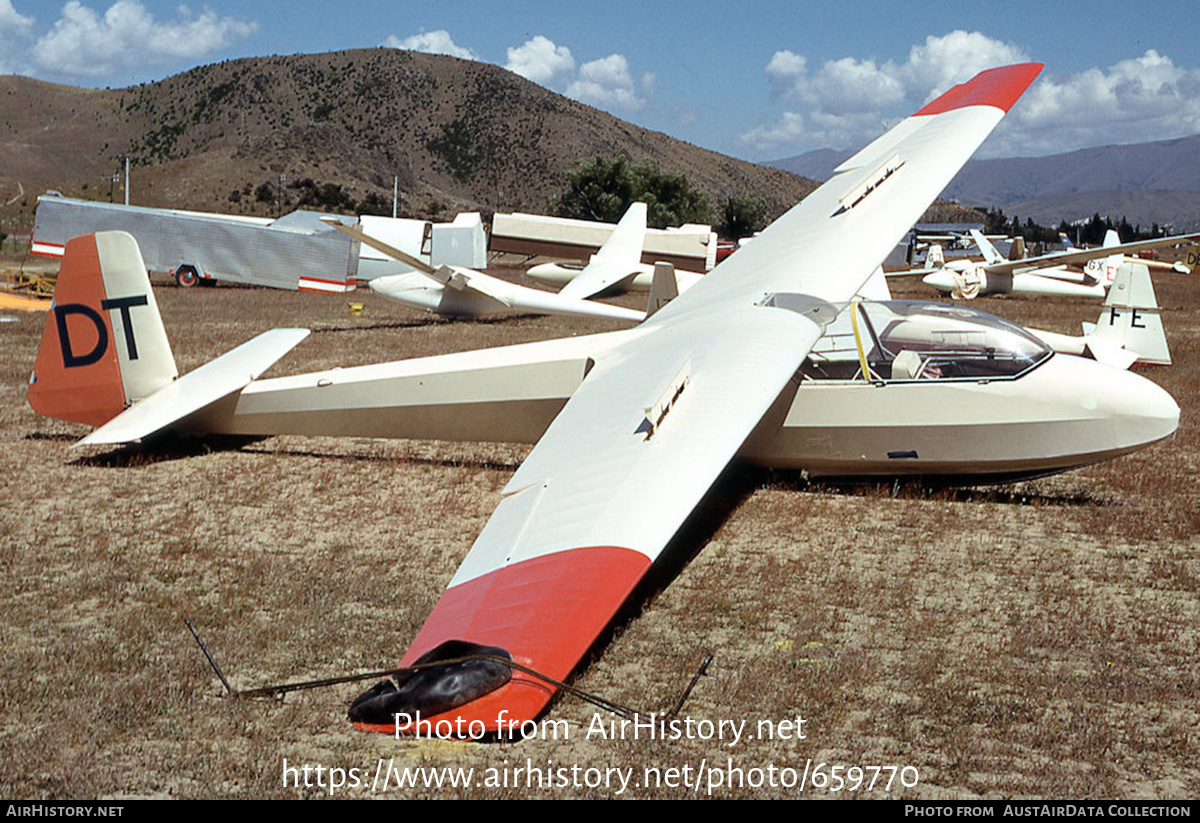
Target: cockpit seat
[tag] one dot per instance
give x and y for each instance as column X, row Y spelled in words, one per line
column 907, row 365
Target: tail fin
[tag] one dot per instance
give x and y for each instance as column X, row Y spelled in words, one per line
column 104, row 345
column 663, row 288
column 1017, row 250
column 990, row 255
column 1192, row 259
column 935, row 258
column 616, row 260
column 1131, row 318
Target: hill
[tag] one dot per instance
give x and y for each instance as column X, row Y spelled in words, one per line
column 1157, row 182
column 459, row 134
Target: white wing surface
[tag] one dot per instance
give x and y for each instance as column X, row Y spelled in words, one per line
column 663, row 412
column 1079, row 256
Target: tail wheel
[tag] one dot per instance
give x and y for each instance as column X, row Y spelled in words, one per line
column 187, row 276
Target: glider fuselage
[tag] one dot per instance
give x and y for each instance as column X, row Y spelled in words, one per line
column 949, row 392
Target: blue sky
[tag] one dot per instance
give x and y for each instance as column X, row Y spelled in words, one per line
column 756, row 80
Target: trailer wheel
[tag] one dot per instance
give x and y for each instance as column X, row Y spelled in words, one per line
column 187, row 276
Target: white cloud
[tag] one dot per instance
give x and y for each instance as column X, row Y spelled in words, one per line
column 539, row 60
column 1139, row 99
column 785, row 68
column 849, row 86
column 839, row 86
column 85, row 43
column 607, row 83
column 845, row 101
column 431, row 42
column 11, row 20
column 14, row 28
column 941, row 62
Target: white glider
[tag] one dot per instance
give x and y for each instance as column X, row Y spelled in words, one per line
column 768, row 358
column 1072, row 273
column 455, row 291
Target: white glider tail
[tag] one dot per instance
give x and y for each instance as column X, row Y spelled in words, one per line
column 1129, row 328
column 619, row 257
column 617, row 266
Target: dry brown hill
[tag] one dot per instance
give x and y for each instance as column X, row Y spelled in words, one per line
column 458, row 133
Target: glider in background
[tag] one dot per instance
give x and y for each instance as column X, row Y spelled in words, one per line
column 1049, row 274
column 455, row 291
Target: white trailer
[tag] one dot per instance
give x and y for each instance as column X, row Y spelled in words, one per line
column 462, row 242
column 296, row 251
column 691, row 247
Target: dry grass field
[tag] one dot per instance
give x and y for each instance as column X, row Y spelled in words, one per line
column 1035, row 640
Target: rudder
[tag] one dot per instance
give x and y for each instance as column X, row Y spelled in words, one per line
column 1131, row 317
column 104, row 344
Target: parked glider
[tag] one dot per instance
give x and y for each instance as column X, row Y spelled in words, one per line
column 616, row 267
column 1072, row 273
column 1183, row 266
column 766, row 359
column 455, row 291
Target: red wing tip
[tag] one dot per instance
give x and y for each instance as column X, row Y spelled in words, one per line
column 998, row 87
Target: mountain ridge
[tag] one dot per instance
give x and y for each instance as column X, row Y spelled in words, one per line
column 458, row 134
column 1153, row 182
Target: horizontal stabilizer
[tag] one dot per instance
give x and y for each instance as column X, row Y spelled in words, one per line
column 229, row 373
column 1110, row 354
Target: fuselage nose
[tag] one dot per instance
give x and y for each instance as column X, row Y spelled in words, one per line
column 413, row 290
column 1137, row 411
column 940, row 280
column 1148, row 410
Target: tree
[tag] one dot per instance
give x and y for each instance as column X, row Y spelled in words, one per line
column 602, row 189
column 741, row 216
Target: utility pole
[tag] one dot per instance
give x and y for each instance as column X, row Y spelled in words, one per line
column 127, row 180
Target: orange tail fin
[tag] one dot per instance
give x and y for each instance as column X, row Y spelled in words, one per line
column 104, row 344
